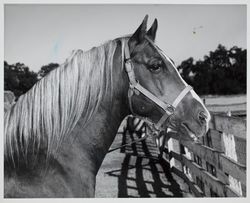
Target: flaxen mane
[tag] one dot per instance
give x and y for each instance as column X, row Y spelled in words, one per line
column 50, row 110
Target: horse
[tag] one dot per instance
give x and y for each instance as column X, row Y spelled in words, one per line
column 57, row 134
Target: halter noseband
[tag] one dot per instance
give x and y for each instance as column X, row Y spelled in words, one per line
column 136, row 88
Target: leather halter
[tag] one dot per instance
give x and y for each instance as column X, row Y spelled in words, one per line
column 136, row 88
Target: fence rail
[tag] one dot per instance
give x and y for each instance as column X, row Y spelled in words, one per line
column 218, row 166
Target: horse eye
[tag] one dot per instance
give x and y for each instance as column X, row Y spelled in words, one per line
column 155, row 68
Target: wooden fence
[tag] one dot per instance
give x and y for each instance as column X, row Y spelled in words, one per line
column 215, row 168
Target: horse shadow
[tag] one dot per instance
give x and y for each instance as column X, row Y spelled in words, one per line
column 142, row 172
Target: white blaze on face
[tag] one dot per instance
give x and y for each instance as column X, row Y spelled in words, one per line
column 195, row 96
column 164, row 56
column 192, row 92
column 174, row 67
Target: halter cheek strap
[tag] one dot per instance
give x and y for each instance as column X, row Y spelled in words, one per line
column 136, row 88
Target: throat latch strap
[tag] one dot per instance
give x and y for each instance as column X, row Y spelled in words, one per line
column 130, row 72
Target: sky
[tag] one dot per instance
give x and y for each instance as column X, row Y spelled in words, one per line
column 37, row 35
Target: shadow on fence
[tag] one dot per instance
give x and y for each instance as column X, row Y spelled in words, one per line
column 142, row 174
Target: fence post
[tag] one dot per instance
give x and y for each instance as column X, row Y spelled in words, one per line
column 174, row 146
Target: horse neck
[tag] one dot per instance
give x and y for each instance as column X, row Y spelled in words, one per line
column 91, row 143
column 80, row 155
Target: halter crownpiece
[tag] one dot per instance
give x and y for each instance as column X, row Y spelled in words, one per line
column 136, row 88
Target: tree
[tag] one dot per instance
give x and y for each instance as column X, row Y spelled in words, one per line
column 221, row 72
column 46, row 69
column 18, row 78
column 186, row 70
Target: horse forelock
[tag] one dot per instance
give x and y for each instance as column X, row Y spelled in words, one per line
column 49, row 111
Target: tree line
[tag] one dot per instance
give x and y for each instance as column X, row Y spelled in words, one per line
column 221, row 72
column 18, row 78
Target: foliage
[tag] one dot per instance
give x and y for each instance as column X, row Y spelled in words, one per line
column 46, row 69
column 18, row 78
column 221, row 72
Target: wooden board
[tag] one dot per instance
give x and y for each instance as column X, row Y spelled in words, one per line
column 230, row 125
column 217, row 159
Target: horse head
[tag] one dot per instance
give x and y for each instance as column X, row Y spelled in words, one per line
column 157, row 91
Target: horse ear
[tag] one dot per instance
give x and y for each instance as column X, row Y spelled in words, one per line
column 139, row 34
column 152, row 31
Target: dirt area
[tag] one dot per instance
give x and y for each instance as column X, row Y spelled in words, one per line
column 128, row 172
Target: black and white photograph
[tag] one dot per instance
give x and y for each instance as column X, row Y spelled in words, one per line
column 124, row 100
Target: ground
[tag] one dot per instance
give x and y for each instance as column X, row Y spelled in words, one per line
column 136, row 171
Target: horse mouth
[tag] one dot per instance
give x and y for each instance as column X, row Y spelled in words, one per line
column 190, row 133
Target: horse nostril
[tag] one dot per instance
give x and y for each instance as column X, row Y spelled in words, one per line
column 202, row 117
